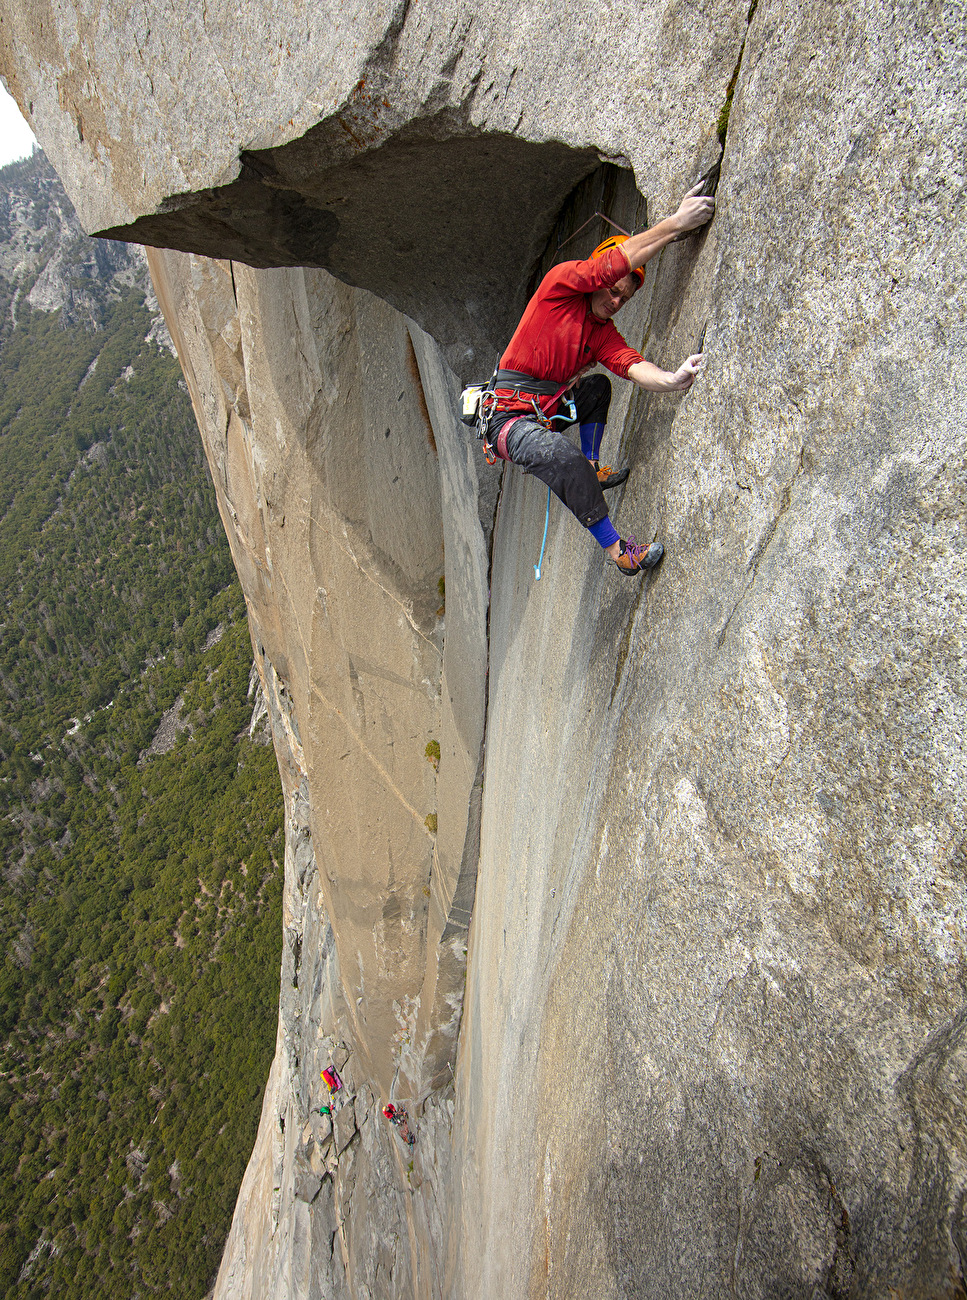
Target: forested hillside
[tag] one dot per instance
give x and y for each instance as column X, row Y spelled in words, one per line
column 141, row 868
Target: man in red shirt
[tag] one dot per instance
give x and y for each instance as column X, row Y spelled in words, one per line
column 565, row 330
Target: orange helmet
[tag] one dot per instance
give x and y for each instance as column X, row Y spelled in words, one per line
column 613, row 241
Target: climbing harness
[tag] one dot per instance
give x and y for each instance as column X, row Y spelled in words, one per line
column 541, row 417
column 480, row 402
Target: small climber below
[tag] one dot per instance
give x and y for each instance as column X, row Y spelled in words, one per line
column 566, row 329
column 397, row 1115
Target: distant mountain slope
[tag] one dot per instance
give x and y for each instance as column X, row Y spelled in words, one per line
column 46, row 259
column 139, row 894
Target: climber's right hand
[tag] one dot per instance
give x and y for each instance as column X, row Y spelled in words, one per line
column 684, row 376
column 695, row 209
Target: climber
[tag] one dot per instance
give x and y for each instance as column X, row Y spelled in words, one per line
column 397, row 1115
column 566, row 329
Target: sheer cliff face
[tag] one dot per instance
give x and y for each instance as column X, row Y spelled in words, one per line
column 712, row 1040
column 343, row 520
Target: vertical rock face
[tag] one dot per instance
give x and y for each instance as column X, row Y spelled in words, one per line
column 334, row 493
column 320, row 409
column 712, row 1038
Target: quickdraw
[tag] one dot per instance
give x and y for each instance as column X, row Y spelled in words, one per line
column 477, row 404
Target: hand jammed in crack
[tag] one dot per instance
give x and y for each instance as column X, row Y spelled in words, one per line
column 695, row 210
column 670, row 381
column 566, row 330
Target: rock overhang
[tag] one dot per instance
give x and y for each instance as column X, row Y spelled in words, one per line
column 443, row 222
column 421, row 152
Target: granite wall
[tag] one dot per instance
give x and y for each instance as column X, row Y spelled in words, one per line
column 705, row 1034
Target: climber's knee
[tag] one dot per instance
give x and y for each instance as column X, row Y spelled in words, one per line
column 592, row 398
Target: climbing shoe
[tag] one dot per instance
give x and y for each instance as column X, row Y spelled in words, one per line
column 633, row 558
column 608, row 477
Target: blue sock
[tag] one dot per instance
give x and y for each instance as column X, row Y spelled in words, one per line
column 603, row 531
column 591, row 435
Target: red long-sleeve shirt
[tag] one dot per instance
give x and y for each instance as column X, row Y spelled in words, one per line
column 557, row 335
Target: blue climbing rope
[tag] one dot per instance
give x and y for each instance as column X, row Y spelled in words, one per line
column 547, row 515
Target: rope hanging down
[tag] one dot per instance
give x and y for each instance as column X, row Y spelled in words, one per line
column 547, row 515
